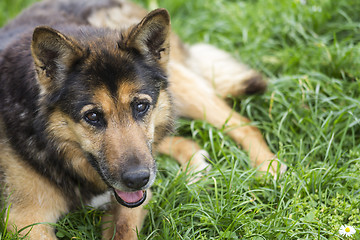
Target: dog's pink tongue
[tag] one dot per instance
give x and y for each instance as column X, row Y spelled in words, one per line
column 130, row 197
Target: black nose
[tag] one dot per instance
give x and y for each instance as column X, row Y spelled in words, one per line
column 136, row 177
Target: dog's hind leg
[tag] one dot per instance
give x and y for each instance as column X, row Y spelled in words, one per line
column 196, row 99
column 228, row 76
column 122, row 223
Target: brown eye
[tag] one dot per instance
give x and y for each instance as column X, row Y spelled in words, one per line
column 94, row 118
column 140, row 108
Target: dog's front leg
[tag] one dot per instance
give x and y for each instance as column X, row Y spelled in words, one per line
column 32, row 199
column 188, row 153
column 122, row 223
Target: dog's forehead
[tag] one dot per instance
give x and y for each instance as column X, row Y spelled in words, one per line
column 126, row 93
column 116, row 69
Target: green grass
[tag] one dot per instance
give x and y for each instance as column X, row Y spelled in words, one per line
column 309, row 116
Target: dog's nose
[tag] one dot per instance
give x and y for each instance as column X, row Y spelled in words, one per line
column 136, row 177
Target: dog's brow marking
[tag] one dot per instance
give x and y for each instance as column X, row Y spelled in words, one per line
column 87, row 108
column 103, row 98
column 143, row 96
column 126, row 92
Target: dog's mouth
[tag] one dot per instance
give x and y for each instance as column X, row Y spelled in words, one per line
column 130, row 199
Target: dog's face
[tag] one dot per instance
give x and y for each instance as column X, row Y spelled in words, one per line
column 105, row 94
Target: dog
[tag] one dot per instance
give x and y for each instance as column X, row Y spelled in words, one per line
column 89, row 93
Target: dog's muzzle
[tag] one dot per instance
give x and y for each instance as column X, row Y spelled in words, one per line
column 130, row 199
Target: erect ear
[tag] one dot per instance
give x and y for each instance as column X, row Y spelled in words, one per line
column 152, row 36
column 53, row 53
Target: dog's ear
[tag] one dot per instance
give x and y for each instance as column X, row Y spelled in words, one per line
column 53, row 53
column 152, row 36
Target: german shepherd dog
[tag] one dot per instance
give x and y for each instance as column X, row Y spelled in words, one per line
column 89, row 92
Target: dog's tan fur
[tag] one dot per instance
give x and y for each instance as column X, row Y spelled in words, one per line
column 24, row 179
column 201, row 78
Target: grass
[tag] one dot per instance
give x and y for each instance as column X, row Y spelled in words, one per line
column 310, row 51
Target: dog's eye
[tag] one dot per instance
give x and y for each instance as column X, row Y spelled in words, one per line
column 94, row 118
column 140, row 108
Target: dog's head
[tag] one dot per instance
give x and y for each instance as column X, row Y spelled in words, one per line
column 105, row 95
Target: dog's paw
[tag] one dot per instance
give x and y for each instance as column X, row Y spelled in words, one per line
column 282, row 168
column 273, row 166
column 198, row 166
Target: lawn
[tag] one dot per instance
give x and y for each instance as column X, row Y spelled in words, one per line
column 310, row 116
